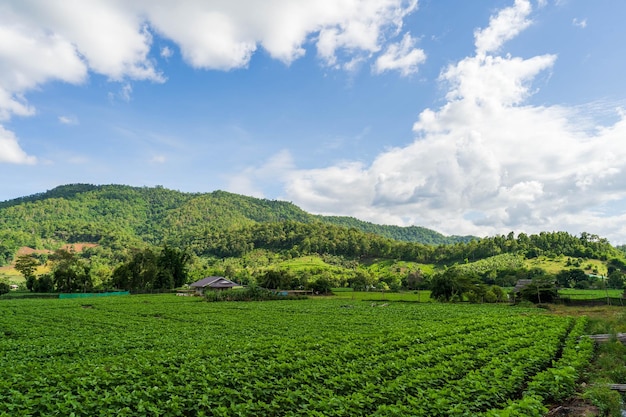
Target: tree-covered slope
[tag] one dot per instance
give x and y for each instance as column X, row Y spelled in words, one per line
column 128, row 216
column 224, row 224
column 406, row 234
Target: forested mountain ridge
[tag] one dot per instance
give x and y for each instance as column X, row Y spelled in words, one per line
column 125, row 216
column 406, row 234
column 155, row 238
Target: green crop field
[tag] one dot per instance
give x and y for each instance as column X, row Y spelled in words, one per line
column 422, row 296
column 181, row 356
column 576, row 294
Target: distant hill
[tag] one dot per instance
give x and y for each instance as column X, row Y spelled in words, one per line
column 125, row 216
column 406, row 234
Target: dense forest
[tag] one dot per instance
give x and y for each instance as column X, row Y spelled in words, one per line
column 151, row 238
column 122, row 216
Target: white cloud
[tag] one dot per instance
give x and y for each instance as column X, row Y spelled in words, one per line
column 68, row 120
column 581, row 23
column 10, row 150
column 485, row 162
column 507, row 24
column 126, row 92
column 276, row 168
column 158, row 159
column 46, row 40
column 166, row 52
column 224, row 34
column 401, row 56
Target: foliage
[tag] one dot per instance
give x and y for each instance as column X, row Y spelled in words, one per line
column 406, row 234
column 250, row 293
column 608, row 401
column 148, row 269
column 166, row 355
column 69, row 272
column 4, row 288
column 27, row 265
column 542, row 289
column 222, row 224
column 452, row 284
column 42, row 284
column 558, row 382
column 615, row 280
column 572, row 278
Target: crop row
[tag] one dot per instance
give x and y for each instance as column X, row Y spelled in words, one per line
column 161, row 355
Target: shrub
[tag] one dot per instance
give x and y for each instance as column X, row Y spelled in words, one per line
column 608, row 401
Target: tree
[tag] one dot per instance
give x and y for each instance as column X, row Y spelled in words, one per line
column 141, row 272
column 321, row 286
column 69, row 272
column 361, row 281
column 173, row 263
column 616, row 280
column 27, row 265
column 4, row 288
column 542, row 289
column 43, row 284
column 274, row 279
column 452, row 284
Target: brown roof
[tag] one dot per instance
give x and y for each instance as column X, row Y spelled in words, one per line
column 521, row 283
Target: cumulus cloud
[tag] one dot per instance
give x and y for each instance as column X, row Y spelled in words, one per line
column 10, row 150
column 507, row 24
column 486, row 161
column 401, row 56
column 581, row 23
column 46, row 40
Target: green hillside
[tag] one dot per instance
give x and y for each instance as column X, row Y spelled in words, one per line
column 118, row 215
column 145, row 239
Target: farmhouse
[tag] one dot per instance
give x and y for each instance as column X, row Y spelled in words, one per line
column 212, row 283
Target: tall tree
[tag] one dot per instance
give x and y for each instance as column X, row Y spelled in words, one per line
column 69, row 272
column 27, row 265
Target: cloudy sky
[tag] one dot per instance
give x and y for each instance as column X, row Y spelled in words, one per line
column 465, row 117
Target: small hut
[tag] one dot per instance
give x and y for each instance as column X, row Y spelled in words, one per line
column 521, row 284
column 212, row 283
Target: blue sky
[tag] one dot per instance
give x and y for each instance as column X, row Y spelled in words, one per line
column 465, row 117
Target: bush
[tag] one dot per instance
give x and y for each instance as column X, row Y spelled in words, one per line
column 608, row 401
column 4, row 288
column 251, row 293
column 43, row 284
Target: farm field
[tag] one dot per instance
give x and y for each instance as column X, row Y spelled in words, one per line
column 423, row 296
column 576, row 294
column 174, row 356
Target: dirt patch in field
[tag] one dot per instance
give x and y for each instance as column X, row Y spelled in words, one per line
column 575, row 408
column 25, row 250
column 72, row 247
column 79, row 247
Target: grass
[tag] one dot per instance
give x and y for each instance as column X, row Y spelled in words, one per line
column 576, row 294
column 410, row 296
column 305, row 262
column 556, row 264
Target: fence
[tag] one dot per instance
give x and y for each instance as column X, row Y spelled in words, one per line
column 93, row 294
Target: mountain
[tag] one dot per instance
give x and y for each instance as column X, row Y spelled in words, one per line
column 125, row 216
